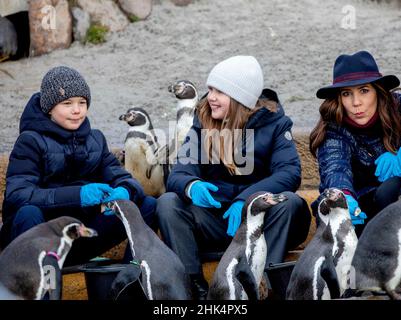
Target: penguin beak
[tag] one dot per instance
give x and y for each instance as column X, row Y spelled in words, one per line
column 279, row 197
column 332, row 194
column 86, row 232
column 273, row 199
column 129, row 116
column 176, row 89
column 107, row 206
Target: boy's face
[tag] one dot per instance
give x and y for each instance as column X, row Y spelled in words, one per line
column 70, row 113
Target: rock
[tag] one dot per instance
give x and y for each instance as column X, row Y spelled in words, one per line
column 8, row 7
column 106, row 13
column 182, row 3
column 80, row 23
column 50, row 25
column 8, row 39
column 139, row 8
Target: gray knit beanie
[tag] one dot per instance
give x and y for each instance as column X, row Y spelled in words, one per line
column 62, row 83
column 239, row 77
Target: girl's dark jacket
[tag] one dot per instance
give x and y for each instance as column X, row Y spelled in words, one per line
column 48, row 164
column 276, row 164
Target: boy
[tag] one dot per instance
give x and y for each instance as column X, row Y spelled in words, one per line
column 60, row 166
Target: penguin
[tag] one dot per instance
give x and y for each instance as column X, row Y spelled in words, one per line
column 5, row 294
column 376, row 264
column 187, row 99
column 30, row 266
column 240, row 270
column 140, row 149
column 163, row 275
column 322, row 271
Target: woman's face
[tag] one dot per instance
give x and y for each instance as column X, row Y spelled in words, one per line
column 70, row 113
column 360, row 102
column 219, row 103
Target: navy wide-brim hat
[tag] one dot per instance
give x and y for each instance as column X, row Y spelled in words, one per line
column 352, row 70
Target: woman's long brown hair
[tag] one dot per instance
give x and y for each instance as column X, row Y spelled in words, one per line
column 236, row 118
column 332, row 111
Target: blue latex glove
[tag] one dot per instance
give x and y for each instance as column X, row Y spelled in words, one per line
column 386, row 166
column 234, row 217
column 397, row 169
column 118, row 193
column 94, row 193
column 352, row 206
column 201, row 196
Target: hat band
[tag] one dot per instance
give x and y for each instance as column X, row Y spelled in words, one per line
column 356, row 76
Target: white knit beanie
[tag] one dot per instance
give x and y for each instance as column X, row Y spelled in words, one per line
column 239, row 77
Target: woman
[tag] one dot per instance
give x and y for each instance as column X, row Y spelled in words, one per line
column 240, row 143
column 358, row 135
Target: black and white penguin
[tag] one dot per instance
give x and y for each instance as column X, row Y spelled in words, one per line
column 240, row 270
column 163, row 275
column 376, row 265
column 322, row 271
column 30, row 266
column 140, row 149
column 187, row 99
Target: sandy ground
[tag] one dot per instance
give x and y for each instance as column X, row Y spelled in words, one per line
column 296, row 43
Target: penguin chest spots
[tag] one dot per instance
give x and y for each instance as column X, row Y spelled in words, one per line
column 256, row 256
column 137, row 150
column 344, row 260
column 183, row 126
column 141, row 162
column 319, row 287
column 230, row 275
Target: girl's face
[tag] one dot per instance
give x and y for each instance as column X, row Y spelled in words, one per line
column 360, row 102
column 70, row 113
column 219, row 103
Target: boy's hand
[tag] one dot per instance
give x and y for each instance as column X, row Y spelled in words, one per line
column 94, row 193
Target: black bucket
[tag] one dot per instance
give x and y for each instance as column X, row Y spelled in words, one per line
column 100, row 283
column 279, row 275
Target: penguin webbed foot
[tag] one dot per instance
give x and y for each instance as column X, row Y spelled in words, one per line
column 394, row 295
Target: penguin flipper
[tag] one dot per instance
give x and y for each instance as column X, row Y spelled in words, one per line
column 53, row 278
column 163, row 158
column 247, row 279
column 329, row 275
column 120, row 287
column 149, row 171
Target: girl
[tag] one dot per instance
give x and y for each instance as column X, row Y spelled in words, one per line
column 212, row 179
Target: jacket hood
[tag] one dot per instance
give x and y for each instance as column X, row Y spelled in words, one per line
column 34, row 119
column 263, row 116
